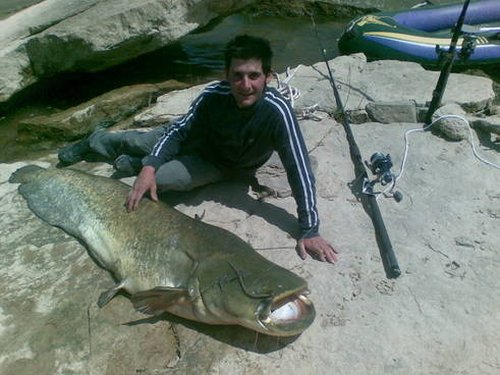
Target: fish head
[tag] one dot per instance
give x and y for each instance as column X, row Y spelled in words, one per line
column 270, row 300
column 286, row 314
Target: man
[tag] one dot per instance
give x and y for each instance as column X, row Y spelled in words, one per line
column 231, row 129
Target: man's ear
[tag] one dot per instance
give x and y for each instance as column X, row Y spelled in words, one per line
column 269, row 77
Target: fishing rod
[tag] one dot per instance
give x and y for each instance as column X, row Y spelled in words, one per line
column 369, row 201
column 448, row 58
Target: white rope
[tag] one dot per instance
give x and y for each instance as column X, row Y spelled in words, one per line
column 407, row 144
column 309, row 113
column 289, row 92
column 292, row 93
column 470, row 140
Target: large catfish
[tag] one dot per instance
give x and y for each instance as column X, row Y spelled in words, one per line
column 166, row 260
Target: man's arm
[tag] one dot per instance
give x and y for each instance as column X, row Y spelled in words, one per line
column 293, row 153
column 164, row 150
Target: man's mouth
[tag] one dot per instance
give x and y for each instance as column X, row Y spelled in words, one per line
column 246, row 95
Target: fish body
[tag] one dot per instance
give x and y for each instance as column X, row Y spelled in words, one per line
column 166, row 260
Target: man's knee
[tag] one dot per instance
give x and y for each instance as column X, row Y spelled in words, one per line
column 174, row 175
column 108, row 144
column 187, row 173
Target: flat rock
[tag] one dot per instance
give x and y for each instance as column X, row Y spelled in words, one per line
column 101, row 112
column 446, row 296
column 489, row 124
column 390, row 112
column 360, row 82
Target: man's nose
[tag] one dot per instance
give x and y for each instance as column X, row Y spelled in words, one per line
column 245, row 82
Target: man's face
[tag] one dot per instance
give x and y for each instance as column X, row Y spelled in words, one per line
column 247, row 81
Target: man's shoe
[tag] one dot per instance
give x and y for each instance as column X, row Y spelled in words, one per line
column 128, row 165
column 74, row 153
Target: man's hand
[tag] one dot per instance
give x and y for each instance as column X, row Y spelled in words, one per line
column 317, row 248
column 145, row 182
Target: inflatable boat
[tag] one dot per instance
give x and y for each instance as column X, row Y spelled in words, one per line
column 422, row 34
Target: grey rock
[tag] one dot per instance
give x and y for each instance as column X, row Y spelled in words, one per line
column 101, row 112
column 168, row 107
column 58, row 36
column 358, row 116
column 450, row 121
column 489, row 124
column 390, row 112
column 360, row 82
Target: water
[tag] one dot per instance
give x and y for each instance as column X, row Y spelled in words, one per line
column 294, row 40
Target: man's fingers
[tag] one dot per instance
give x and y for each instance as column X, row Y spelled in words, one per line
column 133, row 200
column 330, row 257
column 135, row 203
column 319, row 255
column 153, row 193
column 128, row 202
column 301, row 250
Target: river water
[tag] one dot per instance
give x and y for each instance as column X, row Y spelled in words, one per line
column 196, row 58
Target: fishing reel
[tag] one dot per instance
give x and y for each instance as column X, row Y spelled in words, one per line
column 380, row 165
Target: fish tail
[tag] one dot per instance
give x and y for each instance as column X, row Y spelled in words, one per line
column 24, row 174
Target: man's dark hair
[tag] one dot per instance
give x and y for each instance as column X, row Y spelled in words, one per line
column 249, row 47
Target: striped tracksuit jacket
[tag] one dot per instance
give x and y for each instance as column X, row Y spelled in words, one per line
column 242, row 139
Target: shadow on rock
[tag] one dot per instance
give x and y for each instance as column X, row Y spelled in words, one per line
column 234, row 194
column 236, row 336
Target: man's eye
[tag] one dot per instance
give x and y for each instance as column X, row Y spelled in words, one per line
column 254, row 76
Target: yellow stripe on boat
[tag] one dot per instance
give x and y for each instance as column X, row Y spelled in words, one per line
column 412, row 38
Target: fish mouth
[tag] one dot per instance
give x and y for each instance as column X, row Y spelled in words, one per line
column 288, row 316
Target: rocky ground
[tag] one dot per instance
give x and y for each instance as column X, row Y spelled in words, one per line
column 441, row 316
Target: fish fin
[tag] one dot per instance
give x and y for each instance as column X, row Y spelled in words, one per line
column 109, row 294
column 156, row 301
